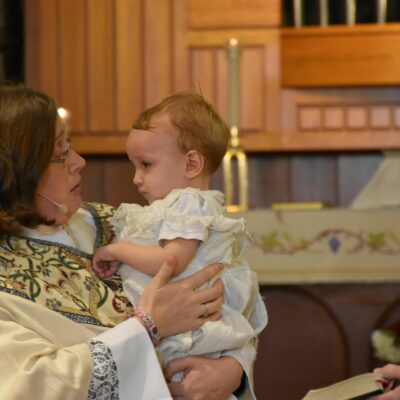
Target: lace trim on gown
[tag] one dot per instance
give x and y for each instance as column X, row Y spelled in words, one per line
column 104, row 384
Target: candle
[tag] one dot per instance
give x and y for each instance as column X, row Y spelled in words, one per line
column 381, row 11
column 350, row 12
column 323, row 12
column 234, row 78
column 298, row 13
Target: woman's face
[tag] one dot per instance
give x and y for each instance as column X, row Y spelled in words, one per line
column 58, row 195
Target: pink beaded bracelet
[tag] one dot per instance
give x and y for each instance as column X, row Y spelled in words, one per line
column 149, row 324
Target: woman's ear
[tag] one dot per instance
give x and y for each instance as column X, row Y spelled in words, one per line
column 194, row 164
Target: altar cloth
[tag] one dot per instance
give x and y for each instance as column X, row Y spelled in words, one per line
column 324, row 246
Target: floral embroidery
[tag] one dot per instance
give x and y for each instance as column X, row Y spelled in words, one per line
column 335, row 240
column 53, row 304
column 104, row 384
column 89, row 283
column 60, row 277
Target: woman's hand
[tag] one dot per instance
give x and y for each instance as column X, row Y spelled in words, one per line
column 389, row 371
column 178, row 307
column 204, row 378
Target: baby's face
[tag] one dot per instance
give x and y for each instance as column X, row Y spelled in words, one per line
column 159, row 163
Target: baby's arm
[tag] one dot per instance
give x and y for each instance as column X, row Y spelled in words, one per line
column 147, row 259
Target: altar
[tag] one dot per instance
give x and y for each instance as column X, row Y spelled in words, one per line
column 329, row 277
column 324, row 246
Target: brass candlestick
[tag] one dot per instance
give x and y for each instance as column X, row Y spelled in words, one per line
column 235, row 152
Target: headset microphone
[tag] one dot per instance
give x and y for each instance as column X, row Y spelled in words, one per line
column 61, row 207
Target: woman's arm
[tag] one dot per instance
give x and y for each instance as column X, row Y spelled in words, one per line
column 147, row 259
column 41, row 345
column 50, row 357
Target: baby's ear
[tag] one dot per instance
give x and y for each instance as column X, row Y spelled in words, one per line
column 194, row 164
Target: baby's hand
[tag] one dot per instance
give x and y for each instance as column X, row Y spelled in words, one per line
column 103, row 263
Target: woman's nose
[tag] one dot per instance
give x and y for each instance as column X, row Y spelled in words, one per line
column 77, row 161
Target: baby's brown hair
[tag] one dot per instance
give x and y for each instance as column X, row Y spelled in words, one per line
column 198, row 126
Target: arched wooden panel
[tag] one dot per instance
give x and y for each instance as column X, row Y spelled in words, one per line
column 303, row 346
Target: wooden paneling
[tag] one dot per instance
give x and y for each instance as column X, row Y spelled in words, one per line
column 252, row 112
column 340, row 119
column 129, row 79
column 319, row 334
column 202, row 73
column 180, row 50
column 365, row 55
column 109, row 181
column 314, row 178
column 72, row 78
column 269, row 180
column 157, row 51
column 108, row 60
column 259, row 75
column 101, row 68
column 336, row 179
column 93, row 187
column 206, row 14
column 105, row 143
column 41, row 69
column 304, row 345
column 221, row 97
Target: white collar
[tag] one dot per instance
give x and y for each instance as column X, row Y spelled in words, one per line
column 79, row 232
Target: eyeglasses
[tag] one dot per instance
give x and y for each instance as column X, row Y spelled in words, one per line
column 64, row 155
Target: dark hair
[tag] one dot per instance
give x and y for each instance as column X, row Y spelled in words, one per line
column 27, row 139
column 198, row 125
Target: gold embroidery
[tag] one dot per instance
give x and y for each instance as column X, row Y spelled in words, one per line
column 60, row 277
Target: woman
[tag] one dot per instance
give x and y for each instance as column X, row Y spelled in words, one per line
column 64, row 334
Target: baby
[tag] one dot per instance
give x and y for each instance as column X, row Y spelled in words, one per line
column 175, row 147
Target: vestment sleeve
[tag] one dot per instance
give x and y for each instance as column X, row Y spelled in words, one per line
column 49, row 357
column 35, row 364
column 138, row 369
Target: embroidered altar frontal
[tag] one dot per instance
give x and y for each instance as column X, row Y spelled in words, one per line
column 324, row 246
